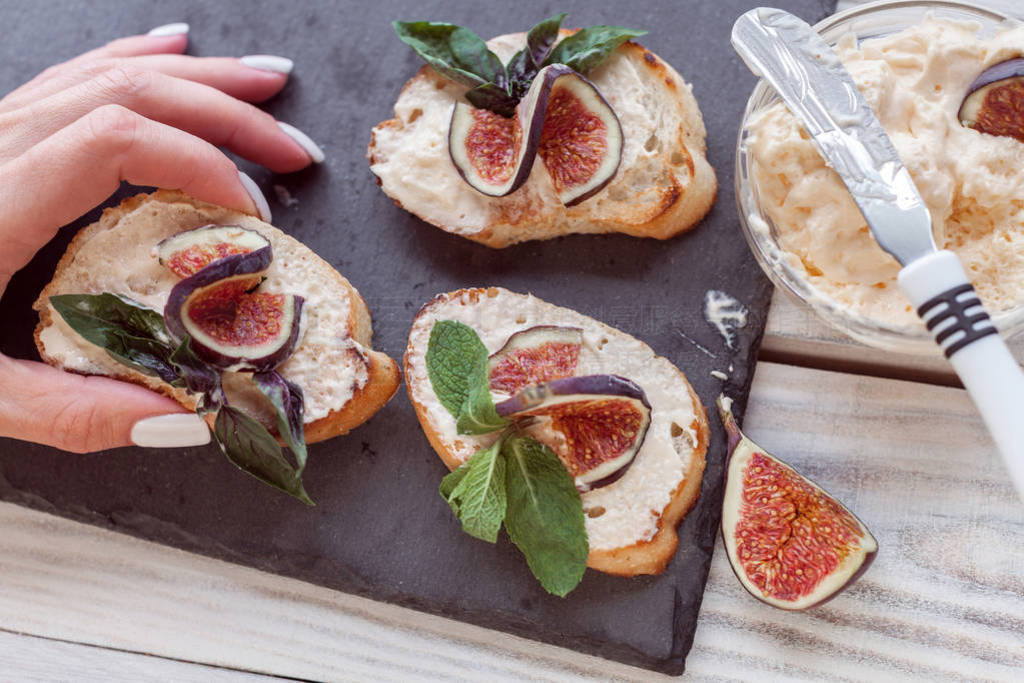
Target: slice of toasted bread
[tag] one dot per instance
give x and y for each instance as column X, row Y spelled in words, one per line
column 632, row 522
column 343, row 380
column 664, row 184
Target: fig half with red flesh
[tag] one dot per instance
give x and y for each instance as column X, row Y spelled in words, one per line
column 231, row 326
column 581, row 140
column 535, row 355
column 995, row 100
column 563, row 117
column 190, row 251
column 597, row 423
column 790, row 543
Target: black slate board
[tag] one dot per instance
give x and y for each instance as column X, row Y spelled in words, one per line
column 380, row 530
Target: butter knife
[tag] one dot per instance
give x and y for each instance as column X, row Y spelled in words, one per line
column 806, row 73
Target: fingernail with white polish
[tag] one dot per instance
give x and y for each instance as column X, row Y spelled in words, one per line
column 281, row 65
column 257, row 196
column 176, row 430
column 175, row 29
column 305, row 142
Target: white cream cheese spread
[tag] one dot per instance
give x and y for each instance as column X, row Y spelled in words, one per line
column 632, row 506
column 972, row 183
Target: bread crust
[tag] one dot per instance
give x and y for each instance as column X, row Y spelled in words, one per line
column 643, row 557
column 383, row 373
column 660, row 195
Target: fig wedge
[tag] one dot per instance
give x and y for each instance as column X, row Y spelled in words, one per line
column 535, row 355
column 563, row 118
column 190, row 251
column 791, row 544
column 995, row 100
column 596, row 423
column 231, row 326
column 581, row 140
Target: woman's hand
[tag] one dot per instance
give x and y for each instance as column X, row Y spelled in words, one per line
column 135, row 110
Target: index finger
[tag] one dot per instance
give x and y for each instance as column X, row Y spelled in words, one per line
column 67, row 73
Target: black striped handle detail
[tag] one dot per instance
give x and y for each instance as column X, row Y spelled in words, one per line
column 953, row 304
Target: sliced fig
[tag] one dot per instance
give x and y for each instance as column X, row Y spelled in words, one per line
column 230, row 325
column 563, row 118
column 495, row 154
column 581, row 140
column 791, row 544
column 995, row 100
column 190, row 251
column 535, row 355
column 597, row 423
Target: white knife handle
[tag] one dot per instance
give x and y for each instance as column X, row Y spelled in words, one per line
column 938, row 287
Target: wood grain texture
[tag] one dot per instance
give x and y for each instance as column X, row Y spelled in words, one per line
column 795, row 335
column 944, row 600
column 29, row 658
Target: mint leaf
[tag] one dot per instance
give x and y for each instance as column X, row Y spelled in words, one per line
column 453, row 51
column 478, row 415
column 448, row 484
column 249, row 445
column 288, row 404
column 478, row 497
column 544, row 515
column 457, row 367
column 129, row 332
column 588, row 47
column 454, row 355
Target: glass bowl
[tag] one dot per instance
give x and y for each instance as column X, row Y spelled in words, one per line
column 872, row 20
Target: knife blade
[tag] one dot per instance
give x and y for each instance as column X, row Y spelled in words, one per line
column 811, row 80
column 806, row 73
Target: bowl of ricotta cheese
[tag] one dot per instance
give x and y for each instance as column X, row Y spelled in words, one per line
column 914, row 62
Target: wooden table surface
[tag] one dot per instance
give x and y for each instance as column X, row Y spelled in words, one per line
column 890, row 435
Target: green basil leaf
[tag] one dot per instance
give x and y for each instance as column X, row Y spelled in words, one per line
column 288, row 404
column 588, row 47
column 490, row 96
column 454, row 358
column 129, row 332
column 453, row 51
column 544, row 515
column 253, row 449
column 542, row 37
column 478, row 499
column 478, row 415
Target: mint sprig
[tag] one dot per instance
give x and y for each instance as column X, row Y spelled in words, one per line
column 135, row 335
column 516, row 480
column 457, row 368
column 459, row 54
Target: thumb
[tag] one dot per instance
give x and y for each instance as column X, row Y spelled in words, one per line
column 84, row 414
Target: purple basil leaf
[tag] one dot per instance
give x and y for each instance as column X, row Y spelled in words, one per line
column 490, row 96
column 288, row 404
column 521, row 72
column 541, row 38
column 253, row 449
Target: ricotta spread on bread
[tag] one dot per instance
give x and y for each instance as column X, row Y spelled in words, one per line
column 972, row 183
column 328, row 364
column 629, row 510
